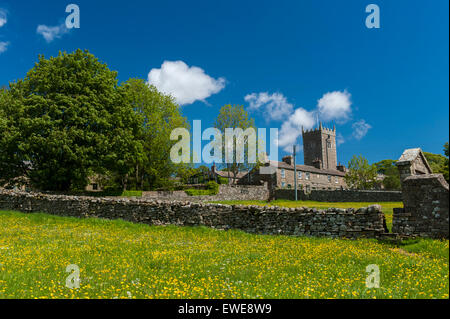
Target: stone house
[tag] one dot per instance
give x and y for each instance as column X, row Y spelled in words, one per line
column 308, row 177
column 95, row 183
column 320, row 170
column 413, row 162
column 213, row 175
column 230, row 177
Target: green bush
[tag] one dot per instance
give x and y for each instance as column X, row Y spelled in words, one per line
column 198, row 192
column 222, row 180
column 212, row 188
column 165, row 185
column 132, row 193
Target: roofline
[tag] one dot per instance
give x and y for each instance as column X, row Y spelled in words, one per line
column 308, row 168
column 420, row 153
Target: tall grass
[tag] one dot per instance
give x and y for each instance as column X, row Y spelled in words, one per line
column 118, row 259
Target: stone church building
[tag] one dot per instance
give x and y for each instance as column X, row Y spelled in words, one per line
column 320, row 170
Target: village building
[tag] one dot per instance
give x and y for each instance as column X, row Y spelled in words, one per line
column 320, row 170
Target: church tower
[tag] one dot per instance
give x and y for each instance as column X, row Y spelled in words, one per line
column 319, row 147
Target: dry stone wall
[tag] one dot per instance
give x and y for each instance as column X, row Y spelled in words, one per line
column 334, row 222
column 426, row 207
column 341, row 195
column 226, row 192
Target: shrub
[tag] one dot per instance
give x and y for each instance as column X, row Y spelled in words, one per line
column 132, row 193
column 212, row 188
column 222, row 180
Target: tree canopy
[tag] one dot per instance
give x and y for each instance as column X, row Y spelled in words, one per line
column 69, row 119
column 235, row 117
column 159, row 115
column 438, row 162
column 361, row 175
column 391, row 174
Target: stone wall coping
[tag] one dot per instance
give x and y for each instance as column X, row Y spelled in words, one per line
column 134, row 200
column 437, row 178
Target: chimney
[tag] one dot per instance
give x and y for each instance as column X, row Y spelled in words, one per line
column 341, row 168
column 289, row 160
column 317, row 163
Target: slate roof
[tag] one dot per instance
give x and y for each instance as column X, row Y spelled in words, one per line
column 307, row 168
column 409, row 155
column 225, row 174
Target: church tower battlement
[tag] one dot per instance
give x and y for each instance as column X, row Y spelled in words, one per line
column 319, row 147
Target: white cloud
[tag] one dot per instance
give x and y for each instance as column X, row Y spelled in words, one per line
column 186, row 84
column 291, row 129
column 52, row 33
column 3, row 18
column 275, row 106
column 3, row 46
column 340, row 139
column 360, row 129
column 335, row 106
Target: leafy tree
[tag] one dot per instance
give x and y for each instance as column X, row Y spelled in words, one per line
column 184, row 171
column 388, row 168
column 234, row 117
column 361, row 175
column 67, row 120
column 159, row 115
column 438, row 162
column 446, row 173
column 11, row 165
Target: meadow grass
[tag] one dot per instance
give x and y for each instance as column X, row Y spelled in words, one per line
column 119, row 259
column 387, row 207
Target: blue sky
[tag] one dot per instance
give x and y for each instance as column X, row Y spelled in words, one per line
column 387, row 88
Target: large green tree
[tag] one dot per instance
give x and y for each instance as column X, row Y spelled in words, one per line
column 361, row 175
column 235, row 117
column 67, row 120
column 159, row 114
column 438, row 162
column 11, row 163
column 388, row 168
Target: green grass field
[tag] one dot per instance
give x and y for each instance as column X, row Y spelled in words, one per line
column 118, row 259
column 387, row 207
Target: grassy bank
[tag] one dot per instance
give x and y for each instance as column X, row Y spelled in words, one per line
column 123, row 260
